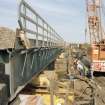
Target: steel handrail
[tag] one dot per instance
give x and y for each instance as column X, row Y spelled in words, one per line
column 47, row 34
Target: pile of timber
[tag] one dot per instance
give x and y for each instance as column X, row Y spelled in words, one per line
column 7, row 38
column 60, row 64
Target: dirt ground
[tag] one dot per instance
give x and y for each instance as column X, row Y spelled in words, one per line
column 88, row 91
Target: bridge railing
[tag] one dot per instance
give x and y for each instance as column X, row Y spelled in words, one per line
column 36, row 28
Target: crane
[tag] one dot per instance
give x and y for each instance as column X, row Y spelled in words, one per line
column 95, row 13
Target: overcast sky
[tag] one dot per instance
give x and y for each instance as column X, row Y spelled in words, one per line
column 67, row 17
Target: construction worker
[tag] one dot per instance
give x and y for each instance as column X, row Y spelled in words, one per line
column 83, row 70
column 86, row 70
column 80, row 67
column 75, row 63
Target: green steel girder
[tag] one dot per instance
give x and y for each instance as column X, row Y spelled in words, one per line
column 4, row 57
column 24, row 64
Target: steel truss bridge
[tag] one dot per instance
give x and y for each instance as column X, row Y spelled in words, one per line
column 29, row 50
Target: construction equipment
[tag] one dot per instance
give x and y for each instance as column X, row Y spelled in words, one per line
column 95, row 10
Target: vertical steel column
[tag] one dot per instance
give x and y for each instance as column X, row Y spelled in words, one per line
column 43, row 35
column 9, row 70
column 35, row 29
column 50, row 36
column 55, row 42
column 47, row 37
column 24, row 9
column 37, row 44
